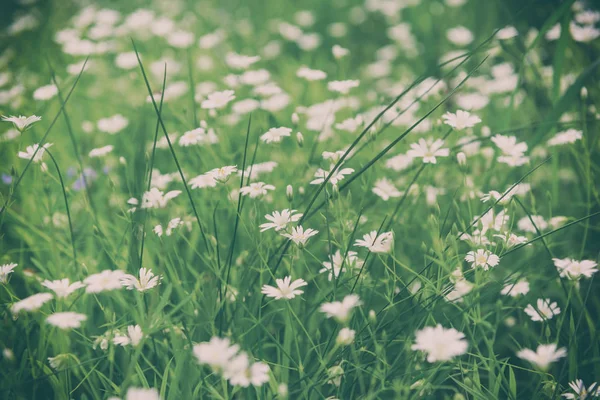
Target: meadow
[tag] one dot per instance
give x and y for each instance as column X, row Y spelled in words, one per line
column 276, row 199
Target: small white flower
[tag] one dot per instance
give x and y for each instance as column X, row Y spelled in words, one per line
column 518, row 288
column 218, row 100
column 31, row 303
column 461, row 120
column 280, row 219
column 286, row 289
column 274, row 135
column 544, row 310
column 45, row 92
column 146, row 281
column 256, row 189
column 22, row 123
column 217, row 353
column 112, row 125
column 338, row 174
column 345, row 337
column 340, row 310
column 62, row 288
column 155, row 198
column 66, row 320
column 385, row 189
column 567, row 137
column 299, row 235
column 581, row 392
column 142, row 394
column 482, row 258
column 133, row 337
column 337, row 265
column 543, row 356
column 5, row 271
column 573, row 269
column 428, row 150
column 439, row 343
column 101, row 151
column 30, row 153
column 381, row 243
column 310, row 74
column 342, row 87
column 104, row 281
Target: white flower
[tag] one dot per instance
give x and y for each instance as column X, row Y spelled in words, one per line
column 256, row 189
column 203, row 181
column 63, row 288
column 280, row 219
column 127, row 60
column 461, row 120
column 482, row 258
column 286, row 289
column 310, row 74
column 566, row 137
column 385, row 189
column 146, row 282
column 520, row 287
column 460, row 36
column 544, row 310
column 399, row 162
column 30, row 153
column 543, row 356
column 336, row 177
column 112, row 125
column 104, row 281
column 142, row 394
column 428, row 150
column 573, row 269
column 133, row 337
column 461, row 288
column 583, row 34
column 439, row 343
column 342, row 87
column 299, row 235
column 339, row 51
column 22, row 123
column 239, row 372
column 381, row 243
column 217, row 353
column 525, row 224
column 180, row 39
column 335, row 375
column 345, row 337
column 218, row 100
column 340, row 310
column 31, row 303
column 155, row 198
column 509, row 145
column 59, row 362
column 45, row 92
column 581, row 392
column 338, row 265
column 350, row 124
column 6, row 270
column 510, row 239
column 274, row 135
column 239, row 61
column 101, row 151
column 66, row 320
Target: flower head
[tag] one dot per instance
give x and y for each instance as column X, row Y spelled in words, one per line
column 381, row 243
column 340, row 310
column 286, row 289
column 146, row 281
column 104, row 281
column 440, row 344
column 575, row 270
column 31, row 303
column 482, row 258
column 280, row 219
column 6, row 270
column 299, row 235
column 545, row 355
column 256, row 189
column 133, row 336
column 218, row 100
column 62, row 287
column 66, row 320
column 461, row 120
column 544, row 310
column 21, row 122
column 428, row 150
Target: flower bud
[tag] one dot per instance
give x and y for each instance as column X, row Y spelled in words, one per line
column 345, row 337
column 300, row 139
column 289, row 192
column 295, row 119
column 461, row 158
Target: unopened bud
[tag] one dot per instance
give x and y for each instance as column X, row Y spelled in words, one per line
column 122, row 160
column 300, row 139
column 289, row 192
column 295, row 119
column 584, row 93
column 461, row 158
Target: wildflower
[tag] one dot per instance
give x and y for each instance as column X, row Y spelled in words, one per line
column 62, row 288
column 573, row 269
column 460, row 36
column 299, row 235
column 350, row 124
column 146, row 282
column 218, row 100
column 203, row 181
column 239, row 372
column 345, row 337
column 543, row 356
column 133, row 337
column 274, row 135
column 340, row 310
column 239, row 61
column 520, row 287
column 34, row 152
column 286, row 289
column 381, row 243
column 530, row 223
column 439, row 343
column 461, row 120
column 399, row 162
column 217, row 353
column 45, row 92
column 385, row 189
column 339, row 51
column 127, row 60
column 66, row 320
column 566, row 137
column 428, row 150
column 155, row 198
column 256, row 189
column 6, row 270
column 22, row 123
column 112, row 125
column 142, row 394
column 336, row 266
column 461, row 288
column 101, row 151
column 544, row 310
column 342, row 87
column 60, row 361
column 104, row 281
column 482, row 258
column 335, row 375
column 580, row 391
column 280, row 219
column 510, row 239
column 31, row 303
column 337, row 175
